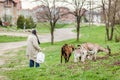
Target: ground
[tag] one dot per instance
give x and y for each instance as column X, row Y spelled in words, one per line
column 43, row 38
column 5, row 47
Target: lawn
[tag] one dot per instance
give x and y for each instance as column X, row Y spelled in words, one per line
column 42, row 28
column 45, row 27
column 105, row 68
column 5, row 38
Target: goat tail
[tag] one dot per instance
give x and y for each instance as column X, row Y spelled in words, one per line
column 109, row 53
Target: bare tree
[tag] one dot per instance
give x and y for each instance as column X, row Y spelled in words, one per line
column 117, row 28
column 51, row 13
column 78, row 12
column 109, row 8
column 90, row 12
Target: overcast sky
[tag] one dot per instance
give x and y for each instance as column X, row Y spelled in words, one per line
column 29, row 4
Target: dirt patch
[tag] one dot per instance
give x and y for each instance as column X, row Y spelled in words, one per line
column 107, row 56
column 117, row 63
column 2, row 62
column 115, row 54
column 103, row 57
column 3, row 78
column 5, row 55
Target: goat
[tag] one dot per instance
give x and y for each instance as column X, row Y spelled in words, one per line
column 90, row 49
column 66, row 51
column 79, row 53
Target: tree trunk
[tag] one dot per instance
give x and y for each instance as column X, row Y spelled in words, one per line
column 107, row 31
column 78, row 29
column 113, row 25
column 52, row 36
column 112, row 31
column 52, row 32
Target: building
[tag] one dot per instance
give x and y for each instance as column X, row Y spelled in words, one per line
column 93, row 13
column 34, row 13
column 38, row 14
column 66, row 17
column 9, row 11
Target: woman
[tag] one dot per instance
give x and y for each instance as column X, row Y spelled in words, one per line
column 33, row 48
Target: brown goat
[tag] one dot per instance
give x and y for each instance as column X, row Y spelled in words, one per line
column 66, row 51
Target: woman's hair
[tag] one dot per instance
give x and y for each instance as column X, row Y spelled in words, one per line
column 35, row 33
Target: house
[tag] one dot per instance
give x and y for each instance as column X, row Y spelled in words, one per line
column 26, row 12
column 34, row 13
column 66, row 17
column 93, row 16
column 37, row 13
column 93, row 13
column 9, row 11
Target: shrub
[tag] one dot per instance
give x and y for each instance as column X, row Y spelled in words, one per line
column 20, row 22
column 30, row 23
column 7, row 20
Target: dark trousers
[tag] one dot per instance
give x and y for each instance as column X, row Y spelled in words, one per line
column 32, row 63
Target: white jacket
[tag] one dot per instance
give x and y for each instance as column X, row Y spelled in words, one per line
column 32, row 47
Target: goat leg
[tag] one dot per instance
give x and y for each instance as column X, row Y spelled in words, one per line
column 61, row 58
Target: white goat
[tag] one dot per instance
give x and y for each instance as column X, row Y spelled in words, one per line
column 89, row 50
column 77, row 54
column 80, row 53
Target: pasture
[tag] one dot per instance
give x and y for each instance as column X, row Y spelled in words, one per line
column 5, row 38
column 42, row 28
column 105, row 68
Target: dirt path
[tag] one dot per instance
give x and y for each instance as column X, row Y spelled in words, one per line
column 59, row 35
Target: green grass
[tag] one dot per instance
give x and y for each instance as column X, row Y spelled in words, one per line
column 97, row 35
column 42, row 28
column 102, row 69
column 5, row 38
column 45, row 27
column 93, row 34
column 8, row 28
